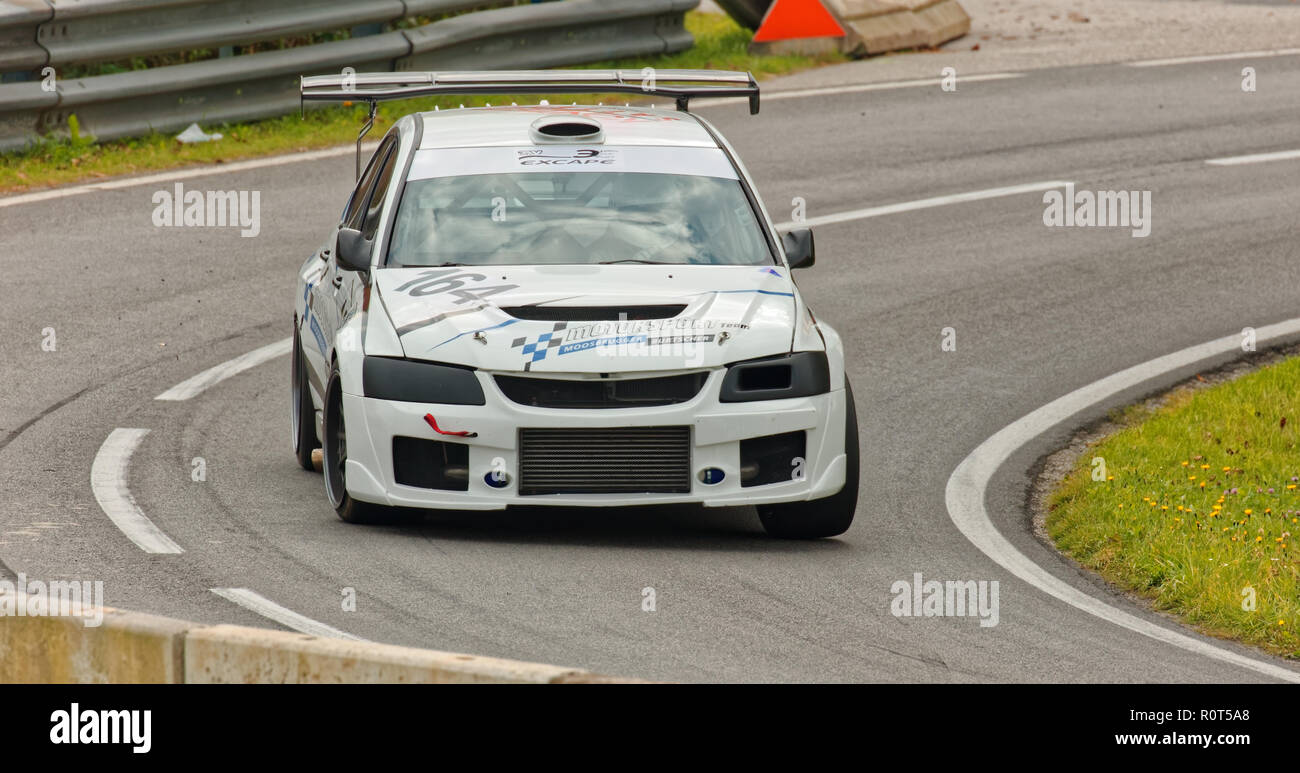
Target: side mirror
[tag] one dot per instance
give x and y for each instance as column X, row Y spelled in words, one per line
column 799, row 249
column 353, row 251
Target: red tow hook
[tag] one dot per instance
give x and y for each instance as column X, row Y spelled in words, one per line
column 434, row 423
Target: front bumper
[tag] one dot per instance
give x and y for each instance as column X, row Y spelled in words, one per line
column 716, row 431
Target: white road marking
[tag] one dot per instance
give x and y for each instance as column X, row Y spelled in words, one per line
column 1215, row 57
column 770, row 96
column 182, row 174
column 197, row 384
column 1257, row 158
column 287, row 617
column 968, row 486
column 108, row 481
column 937, row 201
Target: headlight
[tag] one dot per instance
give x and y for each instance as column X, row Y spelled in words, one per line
column 413, row 381
column 773, row 378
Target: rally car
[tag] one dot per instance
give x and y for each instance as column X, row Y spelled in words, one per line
column 574, row 306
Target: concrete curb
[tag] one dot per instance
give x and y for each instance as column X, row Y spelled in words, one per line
column 878, row 26
column 131, row 647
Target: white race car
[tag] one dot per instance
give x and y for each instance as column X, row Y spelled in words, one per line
column 574, row 306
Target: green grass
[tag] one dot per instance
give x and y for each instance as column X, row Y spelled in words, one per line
column 719, row 44
column 1200, row 503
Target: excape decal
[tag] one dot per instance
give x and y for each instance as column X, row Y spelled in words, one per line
column 603, row 158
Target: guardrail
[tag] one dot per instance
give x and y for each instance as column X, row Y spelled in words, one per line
column 39, row 33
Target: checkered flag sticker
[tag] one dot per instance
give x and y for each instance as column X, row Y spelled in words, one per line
column 534, row 351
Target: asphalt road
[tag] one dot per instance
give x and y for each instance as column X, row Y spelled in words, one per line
column 1038, row 312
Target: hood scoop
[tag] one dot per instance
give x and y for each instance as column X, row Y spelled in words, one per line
column 594, row 313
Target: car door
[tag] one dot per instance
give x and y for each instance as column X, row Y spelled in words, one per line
column 325, row 304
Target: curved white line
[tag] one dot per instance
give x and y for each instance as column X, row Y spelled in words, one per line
column 287, row 617
column 108, row 482
column 218, row 373
column 969, row 484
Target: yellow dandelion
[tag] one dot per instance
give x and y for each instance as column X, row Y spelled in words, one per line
column 1248, row 511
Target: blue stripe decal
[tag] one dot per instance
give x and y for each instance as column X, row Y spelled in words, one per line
column 472, row 332
column 764, row 292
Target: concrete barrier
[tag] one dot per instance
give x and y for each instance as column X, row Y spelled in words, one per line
column 231, row 654
column 879, row 26
column 130, row 647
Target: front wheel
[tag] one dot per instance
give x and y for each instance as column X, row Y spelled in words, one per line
column 335, row 460
column 831, row 515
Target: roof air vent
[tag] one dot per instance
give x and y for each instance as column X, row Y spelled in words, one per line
column 560, row 129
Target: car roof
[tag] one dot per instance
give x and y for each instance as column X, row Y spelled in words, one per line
column 509, row 126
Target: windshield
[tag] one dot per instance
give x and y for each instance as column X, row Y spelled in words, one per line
column 544, row 217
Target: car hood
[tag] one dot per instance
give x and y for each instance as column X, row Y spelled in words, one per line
column 472, row 316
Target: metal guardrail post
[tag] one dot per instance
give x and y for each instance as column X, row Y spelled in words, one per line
column 19, row 21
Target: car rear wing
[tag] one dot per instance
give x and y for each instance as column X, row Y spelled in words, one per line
column 680, row 85
column 375, row 87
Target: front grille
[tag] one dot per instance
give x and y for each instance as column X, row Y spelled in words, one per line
column 430, row 464
column 614, row 460
column 604, row 393
column 594, row 313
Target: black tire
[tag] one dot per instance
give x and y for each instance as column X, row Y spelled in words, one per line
column 825, row 517
column 302, row 416
column 335, row 457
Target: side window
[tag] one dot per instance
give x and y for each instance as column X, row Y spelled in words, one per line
column 380, row 195
column 356, row 204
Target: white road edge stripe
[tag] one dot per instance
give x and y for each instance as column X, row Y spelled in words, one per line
column 182, row 174
column 770, row 96
column 108, row 481
column 263, row 606
column 937, row 201
column 968, row 486
column 1214, row 57
column 195, row 385
column 1257, row 158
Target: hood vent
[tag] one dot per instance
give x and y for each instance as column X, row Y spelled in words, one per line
column 564, row 129
column 594, row 313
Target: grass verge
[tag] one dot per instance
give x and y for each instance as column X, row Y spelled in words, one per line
column 720, row 44
column 1194, row 506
